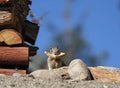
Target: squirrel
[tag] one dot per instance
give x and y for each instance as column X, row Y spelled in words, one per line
column 54, row 58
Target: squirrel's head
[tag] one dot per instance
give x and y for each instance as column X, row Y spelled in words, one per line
column 55, row 50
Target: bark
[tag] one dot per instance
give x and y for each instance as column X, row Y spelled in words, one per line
column 12, row 72
column 14, row 56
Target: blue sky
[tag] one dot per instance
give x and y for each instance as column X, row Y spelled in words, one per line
column 101, row 28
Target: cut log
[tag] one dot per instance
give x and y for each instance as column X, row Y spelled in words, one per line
column 6, row 18
column 9, row 20
column 14, row 1
column 101, row 74
column 13, row 15
column 14, row 56
column 12, row 72
column 20, row 7
column 33, row 50
column 10, row 37
column 4, row 1
column 30, row 31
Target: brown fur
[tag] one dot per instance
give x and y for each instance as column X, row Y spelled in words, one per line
column 54, row 63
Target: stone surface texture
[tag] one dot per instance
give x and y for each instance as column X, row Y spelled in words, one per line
column 56, row 74
column 29, row 82
column 78, row 70
column 105, row 74
column 72, row 76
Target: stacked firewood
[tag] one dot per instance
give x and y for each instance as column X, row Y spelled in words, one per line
column 15, row 31
column 13, row 13
column 13, row 16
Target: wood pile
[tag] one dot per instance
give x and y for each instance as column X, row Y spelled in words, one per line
column 10, row 37
column 15, row 30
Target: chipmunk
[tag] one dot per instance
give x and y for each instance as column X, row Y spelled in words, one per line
column 54, row 58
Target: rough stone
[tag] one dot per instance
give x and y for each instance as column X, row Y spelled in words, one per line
column 111, row 69
column 44, row 79
column 28, row 82
column 55, row 74
column 78, row 70
column 105, row 74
